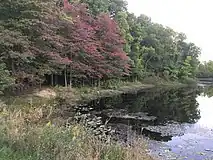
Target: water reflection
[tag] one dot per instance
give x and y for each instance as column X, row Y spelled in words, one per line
column 177, row 105
column 167, row 105
column 206, row 108
column 180, row 117
column 197, row 140
column 208, row 91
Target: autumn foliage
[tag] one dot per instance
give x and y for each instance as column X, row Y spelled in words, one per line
column 68, row 42
column 96, row 44
column 42, row 38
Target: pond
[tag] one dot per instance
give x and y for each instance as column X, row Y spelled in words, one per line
column 178, row 123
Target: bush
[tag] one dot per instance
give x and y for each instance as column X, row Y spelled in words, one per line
column 5, row 78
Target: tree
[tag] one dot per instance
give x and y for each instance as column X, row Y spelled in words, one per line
column 186, row 68
column 29, row 38
column 86, row 40
column 151, row 47
column 121, row 19
column 98, row 6
column 117, row 6
column 111, row 7
column 205, row 69
column 96, row 45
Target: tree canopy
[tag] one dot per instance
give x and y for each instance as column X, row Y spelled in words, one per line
column 87, row 39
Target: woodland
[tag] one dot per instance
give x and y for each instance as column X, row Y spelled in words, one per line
column 80, row 47
column 87, row 42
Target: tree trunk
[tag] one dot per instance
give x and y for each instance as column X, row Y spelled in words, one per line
column 56, row 79
column 99, row 83
column 92, row 82
column 147, row 63
column 65, row 77
column 83, row 82
column 70, row 76
column 52, row 80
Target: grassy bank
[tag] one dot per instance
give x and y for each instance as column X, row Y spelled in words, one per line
column 85, row 94
column 28, row 131
column 27, row 135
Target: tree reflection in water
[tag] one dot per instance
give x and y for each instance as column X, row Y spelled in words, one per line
column 178, row 105
column 208, row 91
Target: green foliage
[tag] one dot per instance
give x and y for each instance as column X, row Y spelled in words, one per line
column 205, row 69
column 98, row 6
column 5, row 77
column 45, row 38
column 153, row 80
column 160, row 50
column 189, row 81
column 106, row 6
column 111, row 84
column 121, row 18
column 208, row 91
column 113, row 153
column 186, row 68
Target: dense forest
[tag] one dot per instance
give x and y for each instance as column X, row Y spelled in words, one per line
column 85, row 42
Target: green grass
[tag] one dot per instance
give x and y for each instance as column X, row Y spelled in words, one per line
column 113, row 88
column 87, row 93
column 30, row 135
column 8, row 154
column 26, row 131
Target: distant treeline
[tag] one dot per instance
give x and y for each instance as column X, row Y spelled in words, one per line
column 205, row 70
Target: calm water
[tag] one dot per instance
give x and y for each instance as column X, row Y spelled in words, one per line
column 197, row 141
column 178, row 121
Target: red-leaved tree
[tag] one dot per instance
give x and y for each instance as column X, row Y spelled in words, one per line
column 96, row 45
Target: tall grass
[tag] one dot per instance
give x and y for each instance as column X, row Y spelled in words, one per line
column 25, row 136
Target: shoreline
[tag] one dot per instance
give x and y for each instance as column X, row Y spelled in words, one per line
column 42, row 116
column 76, row 96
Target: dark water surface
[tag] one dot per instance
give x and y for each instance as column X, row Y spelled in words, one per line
column 178, row 121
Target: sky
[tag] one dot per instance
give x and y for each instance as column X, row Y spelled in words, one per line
column 192, row 17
